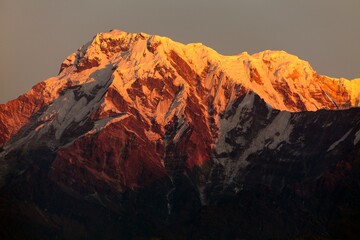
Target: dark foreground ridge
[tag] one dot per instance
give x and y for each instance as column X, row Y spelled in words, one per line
column 140, row 137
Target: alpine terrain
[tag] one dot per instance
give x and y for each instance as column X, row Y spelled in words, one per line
column 141, row 137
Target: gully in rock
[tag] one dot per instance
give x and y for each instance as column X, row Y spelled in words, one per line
column 139, row 136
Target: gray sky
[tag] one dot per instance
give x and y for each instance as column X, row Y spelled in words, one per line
column 37, row 35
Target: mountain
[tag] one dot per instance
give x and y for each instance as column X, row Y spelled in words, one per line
column 139, row 136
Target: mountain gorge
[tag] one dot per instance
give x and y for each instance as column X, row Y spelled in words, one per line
column 139, row 136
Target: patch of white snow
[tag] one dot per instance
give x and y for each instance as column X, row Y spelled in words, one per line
column 357, row 138
column 332, row 147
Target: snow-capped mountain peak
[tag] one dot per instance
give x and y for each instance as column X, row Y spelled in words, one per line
column 132, row 115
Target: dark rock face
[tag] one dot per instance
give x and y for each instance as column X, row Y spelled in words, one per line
column 171, row 150
column 304, row 186
column 298, row 181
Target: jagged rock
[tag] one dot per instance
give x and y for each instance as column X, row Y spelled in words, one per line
column 159, row 135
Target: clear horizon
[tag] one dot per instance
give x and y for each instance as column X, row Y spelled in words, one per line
column 38, row 35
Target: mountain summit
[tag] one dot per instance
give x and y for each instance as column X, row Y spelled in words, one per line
column 117, row 61
column 141, row 135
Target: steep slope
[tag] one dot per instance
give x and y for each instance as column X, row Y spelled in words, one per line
column 157, row 133
column 277, row 174
column 282, row 80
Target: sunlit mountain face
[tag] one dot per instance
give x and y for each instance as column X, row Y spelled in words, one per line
column 141, row 137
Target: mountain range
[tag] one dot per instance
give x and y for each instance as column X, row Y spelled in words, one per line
column 141, row 137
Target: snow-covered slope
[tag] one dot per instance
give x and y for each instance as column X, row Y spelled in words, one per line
column 139, row 66
column 133, row 117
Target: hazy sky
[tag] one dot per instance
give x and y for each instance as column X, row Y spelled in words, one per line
column 37, row 35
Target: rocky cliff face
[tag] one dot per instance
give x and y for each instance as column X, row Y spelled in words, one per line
column 155, row 138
